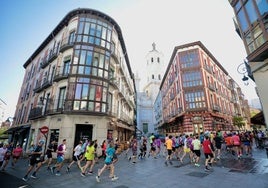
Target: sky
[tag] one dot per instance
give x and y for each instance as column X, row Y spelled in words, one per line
column 168, row 23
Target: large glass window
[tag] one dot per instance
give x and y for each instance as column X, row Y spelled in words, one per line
column 262, row 6
column 251, row 12
column 71, row 37
column 192, row 79
column 195, row 100
column 90, row 95
column 66, row 67
column 91, row 62
column 94, row 32
column 242, row 20
column 189, row 59
column 61, row 97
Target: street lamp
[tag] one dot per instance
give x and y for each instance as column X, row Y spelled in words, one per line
column 242, row 69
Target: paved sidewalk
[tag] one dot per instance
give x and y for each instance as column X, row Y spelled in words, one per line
column 151, row 173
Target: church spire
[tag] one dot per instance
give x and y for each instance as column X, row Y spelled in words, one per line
column 154, row 46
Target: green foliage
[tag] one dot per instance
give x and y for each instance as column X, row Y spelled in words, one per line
column 238, row 121
column 2, row 130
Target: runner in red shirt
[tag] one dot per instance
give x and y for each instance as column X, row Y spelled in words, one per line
column 16, row 154
column 208, row 152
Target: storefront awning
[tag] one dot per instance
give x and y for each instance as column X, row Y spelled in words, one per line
column 19, row 129
column 258, row 119
column 125, row 126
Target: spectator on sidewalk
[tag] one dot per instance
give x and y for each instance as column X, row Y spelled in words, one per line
column 35, row 161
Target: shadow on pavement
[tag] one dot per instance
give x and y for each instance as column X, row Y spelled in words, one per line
column 9, row 181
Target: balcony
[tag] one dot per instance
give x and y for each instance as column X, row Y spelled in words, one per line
column 38, row 88
column 216, row 108
column 60, row 76
column 44, row 63
column 211, row 87
column 35, row 113
column 126, row 118
column 66, row 44
column 208, row 68
column 46, row 84
column 172, row 96
column 115, row 83
column 52, row 57
column 48, row 59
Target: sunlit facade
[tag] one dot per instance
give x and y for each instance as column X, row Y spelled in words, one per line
column 78, row 83
column 198, row 94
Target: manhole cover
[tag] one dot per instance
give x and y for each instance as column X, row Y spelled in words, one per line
column 197, row 174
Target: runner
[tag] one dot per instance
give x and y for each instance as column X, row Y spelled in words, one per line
column 208, row 152
column 7, row 156
column 35, row 161
column 89, row 156
column 48, row 157
column 108, row 163
column 76, row 157
column 3, row 150
column 169, row 150
column 16, row 154
column 60, row 158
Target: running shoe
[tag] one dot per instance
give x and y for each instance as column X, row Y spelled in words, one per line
column 83, row 174
column 67, row 169
column 58, row 174
column 114, row 178
column 197, row 165
column 90, row 172
column 33, row 176
column 97, row 178
column 52, row 169
column 25, row 178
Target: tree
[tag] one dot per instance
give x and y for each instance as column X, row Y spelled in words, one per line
column 238, row 121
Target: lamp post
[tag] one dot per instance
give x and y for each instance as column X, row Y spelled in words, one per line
column 242, row 69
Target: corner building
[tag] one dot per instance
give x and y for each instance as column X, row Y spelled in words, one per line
column 78, row 83
column 198, row 94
